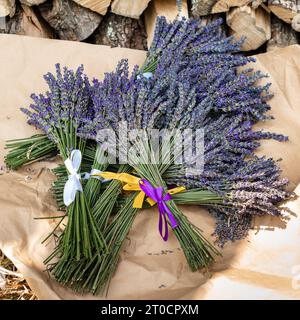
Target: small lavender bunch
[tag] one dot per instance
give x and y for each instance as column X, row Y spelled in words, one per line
column 187, row 37
column 60, row 113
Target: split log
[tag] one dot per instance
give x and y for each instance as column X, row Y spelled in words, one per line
column 70, row 20
column 256, row 3
column 99, row 6
column 253, row 24
column 205, row 7
column 32, row 2
column 286, row 10
column 129, row 8
column 282, row 35
column 27, row 22
column 296, row 23
column 7, row 8
column 167, row 8
column 225, row 5
column 119, row 31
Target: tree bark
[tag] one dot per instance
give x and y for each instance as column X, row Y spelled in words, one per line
column 27, row 22
column 7, row 8
column 119, row 31
column 286, row 10
column 282, row 35
column 129, row 8
column 70, row 20
column 253, row 24
column 167, row 8
column 99, row 6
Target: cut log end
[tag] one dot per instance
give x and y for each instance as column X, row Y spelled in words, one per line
column 99, row 6
column 225, row 5
column 296, row 23
column 283, row 9
column 27, row 21
column 252, row 24
column 129, row 8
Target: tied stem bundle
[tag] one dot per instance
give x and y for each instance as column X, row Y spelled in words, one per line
column 60, row 114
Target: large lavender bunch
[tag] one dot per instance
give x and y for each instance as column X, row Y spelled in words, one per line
column 221, row 88
column 187, row 37
column 195, row 83
column 60, row 113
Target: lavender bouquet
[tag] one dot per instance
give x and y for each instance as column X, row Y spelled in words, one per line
column 190, row 80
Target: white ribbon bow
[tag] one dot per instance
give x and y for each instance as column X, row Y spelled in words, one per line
column 93, row 173
column 147, row 75
column 73, row 184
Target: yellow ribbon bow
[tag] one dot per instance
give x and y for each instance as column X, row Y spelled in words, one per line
column 132, row 183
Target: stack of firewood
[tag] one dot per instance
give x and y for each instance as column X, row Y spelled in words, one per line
column 265, row 24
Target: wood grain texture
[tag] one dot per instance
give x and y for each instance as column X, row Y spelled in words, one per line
column 129, row 8
column 225, row 5
column 296, row 22
column 253, row 24
column 99, row 6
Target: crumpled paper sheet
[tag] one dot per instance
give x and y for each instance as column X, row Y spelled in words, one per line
column 266, row 265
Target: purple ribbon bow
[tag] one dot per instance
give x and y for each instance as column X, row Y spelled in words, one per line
column 156, row 194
